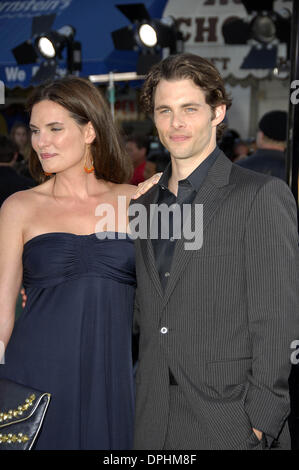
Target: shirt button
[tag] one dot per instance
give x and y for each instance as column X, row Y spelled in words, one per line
column 167, row 274
column 164, row 330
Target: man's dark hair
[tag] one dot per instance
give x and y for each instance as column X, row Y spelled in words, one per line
column 187, row 66
column 8, row 149
column 141, row 141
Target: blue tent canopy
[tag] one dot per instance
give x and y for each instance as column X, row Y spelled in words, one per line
column 94, row 20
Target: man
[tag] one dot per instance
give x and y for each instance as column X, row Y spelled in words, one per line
column 216, row 323
column 10, row 180
column 271, row 144
column 137, row 146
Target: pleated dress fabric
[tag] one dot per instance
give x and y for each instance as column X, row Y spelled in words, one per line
column 73, row 338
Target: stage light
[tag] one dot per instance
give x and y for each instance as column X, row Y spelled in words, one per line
column 46, row 48
column 49, row 44
column 258, row 5
column 148, row 35
column 52, row 43
column 263, row 29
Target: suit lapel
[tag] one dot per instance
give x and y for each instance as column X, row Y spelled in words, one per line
column 151, row 197
column 211, row 195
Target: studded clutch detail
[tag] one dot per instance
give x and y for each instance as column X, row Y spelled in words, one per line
column 22, row 411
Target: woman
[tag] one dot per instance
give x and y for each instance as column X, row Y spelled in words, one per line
column 21, row 136
column 73, row 339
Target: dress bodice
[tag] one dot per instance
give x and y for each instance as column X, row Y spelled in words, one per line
column 53, row 258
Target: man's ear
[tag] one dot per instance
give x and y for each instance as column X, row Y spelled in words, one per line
column 90, row 134
column 219, row 114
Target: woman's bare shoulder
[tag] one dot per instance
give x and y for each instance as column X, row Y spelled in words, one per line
column 24, row 200
column 16, row 200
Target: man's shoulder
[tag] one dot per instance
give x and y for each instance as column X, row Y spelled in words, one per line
column 259, row 186
column 246, row 175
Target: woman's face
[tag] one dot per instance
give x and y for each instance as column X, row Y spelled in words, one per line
column 58, row 140
column 21, row 137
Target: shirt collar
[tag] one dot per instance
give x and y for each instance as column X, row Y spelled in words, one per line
column 197, row 176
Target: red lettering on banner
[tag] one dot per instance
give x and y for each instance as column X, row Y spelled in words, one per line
column 186, row 21
column 211, row 29
column 223, row 60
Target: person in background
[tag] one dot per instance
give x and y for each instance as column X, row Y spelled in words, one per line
column 227, row 140
column 156, row 162
column 269, row 157
column 21, row 136
column 137, row 146
column 10, row 180
column 240, row 150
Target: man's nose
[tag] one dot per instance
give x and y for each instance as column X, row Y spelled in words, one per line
column 178, row 120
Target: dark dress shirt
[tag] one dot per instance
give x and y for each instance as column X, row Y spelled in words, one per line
column 187, row 190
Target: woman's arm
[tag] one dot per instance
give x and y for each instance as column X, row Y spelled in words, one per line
column 11, row 249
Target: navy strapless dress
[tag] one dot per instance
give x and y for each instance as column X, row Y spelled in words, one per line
column 73, row 338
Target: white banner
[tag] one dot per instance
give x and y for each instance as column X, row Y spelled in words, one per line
column 201, row 23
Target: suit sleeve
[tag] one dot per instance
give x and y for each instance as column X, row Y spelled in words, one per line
column 271, row 241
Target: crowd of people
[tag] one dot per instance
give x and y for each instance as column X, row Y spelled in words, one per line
column 214, row 320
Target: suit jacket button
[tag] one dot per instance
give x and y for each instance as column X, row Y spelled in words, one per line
column 164, row 330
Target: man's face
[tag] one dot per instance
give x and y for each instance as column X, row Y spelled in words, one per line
column 184, row 120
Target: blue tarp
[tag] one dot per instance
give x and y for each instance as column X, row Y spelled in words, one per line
column 94, row 20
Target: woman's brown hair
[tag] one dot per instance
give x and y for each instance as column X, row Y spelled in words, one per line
column 187, row 66
column 85, row 104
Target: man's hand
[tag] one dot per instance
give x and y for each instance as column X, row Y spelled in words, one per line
column 146, row 185
column 258, row 434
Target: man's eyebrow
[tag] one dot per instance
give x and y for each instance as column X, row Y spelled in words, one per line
column 162, row 106
column 49, row 124
column 183, row 105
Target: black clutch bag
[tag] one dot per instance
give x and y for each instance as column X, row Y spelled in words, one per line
column 22, row 411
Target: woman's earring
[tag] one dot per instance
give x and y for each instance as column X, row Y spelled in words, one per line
column 86, row 169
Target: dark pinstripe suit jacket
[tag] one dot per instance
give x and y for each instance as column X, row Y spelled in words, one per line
column 231, row 310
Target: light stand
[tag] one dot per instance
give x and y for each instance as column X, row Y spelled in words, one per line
column 111, row 78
